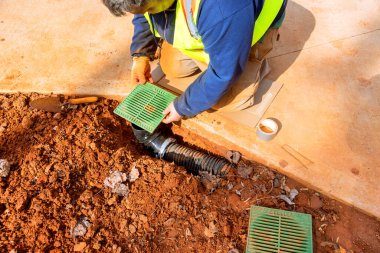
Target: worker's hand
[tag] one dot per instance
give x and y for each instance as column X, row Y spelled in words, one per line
column 140, row 73
column 171, row 114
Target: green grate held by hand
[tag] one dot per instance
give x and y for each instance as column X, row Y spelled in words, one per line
column 272, row 230
column 144, row 106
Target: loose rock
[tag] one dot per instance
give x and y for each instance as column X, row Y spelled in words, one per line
column 132, row 229
column 115, row 178
column 169, row 222
column 121, row 190
column 188, row 232
column 286, row 199
column 5, row 167
column 81, row 227
column 143, row 218
column 134, row 175
column 233, row 156
column 293, row 193
column 227, row 230
column 211, row 230
column 115, row 182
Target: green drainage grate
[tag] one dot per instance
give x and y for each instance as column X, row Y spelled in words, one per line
column 144, row 106
column 273, row 230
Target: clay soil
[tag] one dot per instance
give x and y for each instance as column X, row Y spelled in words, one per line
column 59, row 163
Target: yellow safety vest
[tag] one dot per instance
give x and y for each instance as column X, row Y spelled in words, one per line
column 191, row 45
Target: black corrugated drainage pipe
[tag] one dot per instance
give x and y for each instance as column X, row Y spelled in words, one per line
column 194, row 161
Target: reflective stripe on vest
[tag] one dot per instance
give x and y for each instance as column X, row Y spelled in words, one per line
column 186, row 38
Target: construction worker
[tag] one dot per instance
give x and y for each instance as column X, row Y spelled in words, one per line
column 209, row 39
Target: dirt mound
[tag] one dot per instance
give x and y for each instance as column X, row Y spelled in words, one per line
column 58, row 195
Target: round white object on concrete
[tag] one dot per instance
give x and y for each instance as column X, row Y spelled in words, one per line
column 266, row 129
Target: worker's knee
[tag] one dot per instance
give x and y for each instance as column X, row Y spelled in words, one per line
column 175, row 64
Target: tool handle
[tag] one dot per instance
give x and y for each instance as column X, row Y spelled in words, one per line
column 77, row 101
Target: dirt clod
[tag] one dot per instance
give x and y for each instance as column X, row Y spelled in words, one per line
column 315, row 202
column 244, row 171
column 80, row 246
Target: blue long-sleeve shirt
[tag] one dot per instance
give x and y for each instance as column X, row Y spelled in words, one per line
column 226, row 28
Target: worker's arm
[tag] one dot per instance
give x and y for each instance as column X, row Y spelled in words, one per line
column 143, row 41
column 226, row 30
column 143, row 48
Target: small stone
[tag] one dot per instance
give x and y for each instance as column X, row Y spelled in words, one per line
column 276, row 183
column 58, row 115
column 93, row 146
column 233, row 156
column 169, row 222
column 5, row 167
column 293, row 193
column 121, row 190
column 115, row 182
column 134, row 175
column 96, row 246
column 233, row 251
column 26, row 122
column 21, row 200
column 188, row 232
column 81, row 227
column 143, row 218
column 211, row 230
column 115, row 178
column 286, row 199
column 227, row 230
column 315, row 202
column 132, row 229
column 80, row 246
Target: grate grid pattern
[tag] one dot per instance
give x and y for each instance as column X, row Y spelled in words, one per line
column 272, row 230
column 144, row 106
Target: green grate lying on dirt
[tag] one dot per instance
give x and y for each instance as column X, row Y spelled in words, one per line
column 144, row 106
column 273, row 230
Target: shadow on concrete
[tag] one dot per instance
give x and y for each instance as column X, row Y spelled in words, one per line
column 301, row 22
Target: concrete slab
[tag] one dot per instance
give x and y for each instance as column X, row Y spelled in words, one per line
column 74, row 47
column 328, row 60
